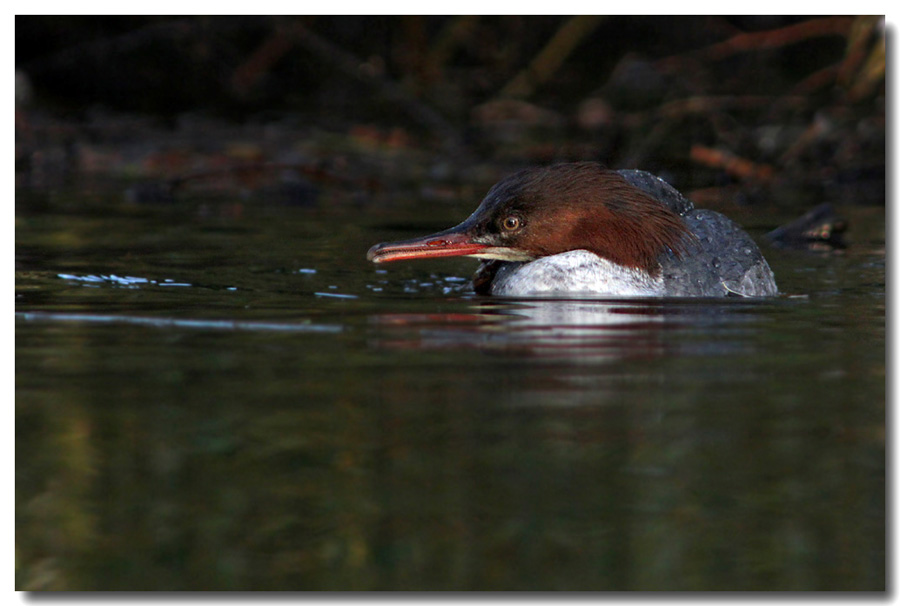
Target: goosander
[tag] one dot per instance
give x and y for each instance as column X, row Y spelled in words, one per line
column 582, row 229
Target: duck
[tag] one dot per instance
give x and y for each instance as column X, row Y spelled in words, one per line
column 579, row 228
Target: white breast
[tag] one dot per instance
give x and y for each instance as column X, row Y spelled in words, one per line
column 574, row 272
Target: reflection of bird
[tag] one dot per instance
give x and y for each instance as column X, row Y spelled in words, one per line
column 581, row 228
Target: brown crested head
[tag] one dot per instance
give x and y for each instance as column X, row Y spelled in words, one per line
column 548, row 210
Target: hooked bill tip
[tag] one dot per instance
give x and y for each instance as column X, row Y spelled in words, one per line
column 372, row 255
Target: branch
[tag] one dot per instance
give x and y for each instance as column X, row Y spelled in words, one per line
column 552, row 56
column 776, row 38
column 730, row 163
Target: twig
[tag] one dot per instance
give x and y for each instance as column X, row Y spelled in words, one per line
column 552, row 56
column 872, row 73
column 776, row 38
column 251, row 71
column 713, row 103
column 857, row 47
column 817, row 80
column 730, row 163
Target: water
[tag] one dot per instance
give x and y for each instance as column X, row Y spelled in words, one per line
column 226, row 395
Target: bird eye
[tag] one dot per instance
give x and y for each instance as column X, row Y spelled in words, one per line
column 512, row 223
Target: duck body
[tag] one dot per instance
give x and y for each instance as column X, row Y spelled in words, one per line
column 580, row 229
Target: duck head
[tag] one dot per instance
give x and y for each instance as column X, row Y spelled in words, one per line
column 549, row 210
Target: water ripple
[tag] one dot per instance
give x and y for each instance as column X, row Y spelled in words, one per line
column 206, row 324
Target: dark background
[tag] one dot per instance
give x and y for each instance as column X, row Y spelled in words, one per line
column 737, row 106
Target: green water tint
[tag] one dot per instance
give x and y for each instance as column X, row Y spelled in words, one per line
column 210, row 399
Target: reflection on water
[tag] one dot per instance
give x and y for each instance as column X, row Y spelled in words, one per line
column 292, row 417
column 583, row 330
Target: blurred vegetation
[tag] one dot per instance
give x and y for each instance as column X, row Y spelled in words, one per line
column 756, row 106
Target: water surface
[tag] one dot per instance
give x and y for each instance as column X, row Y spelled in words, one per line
column 226, row 395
